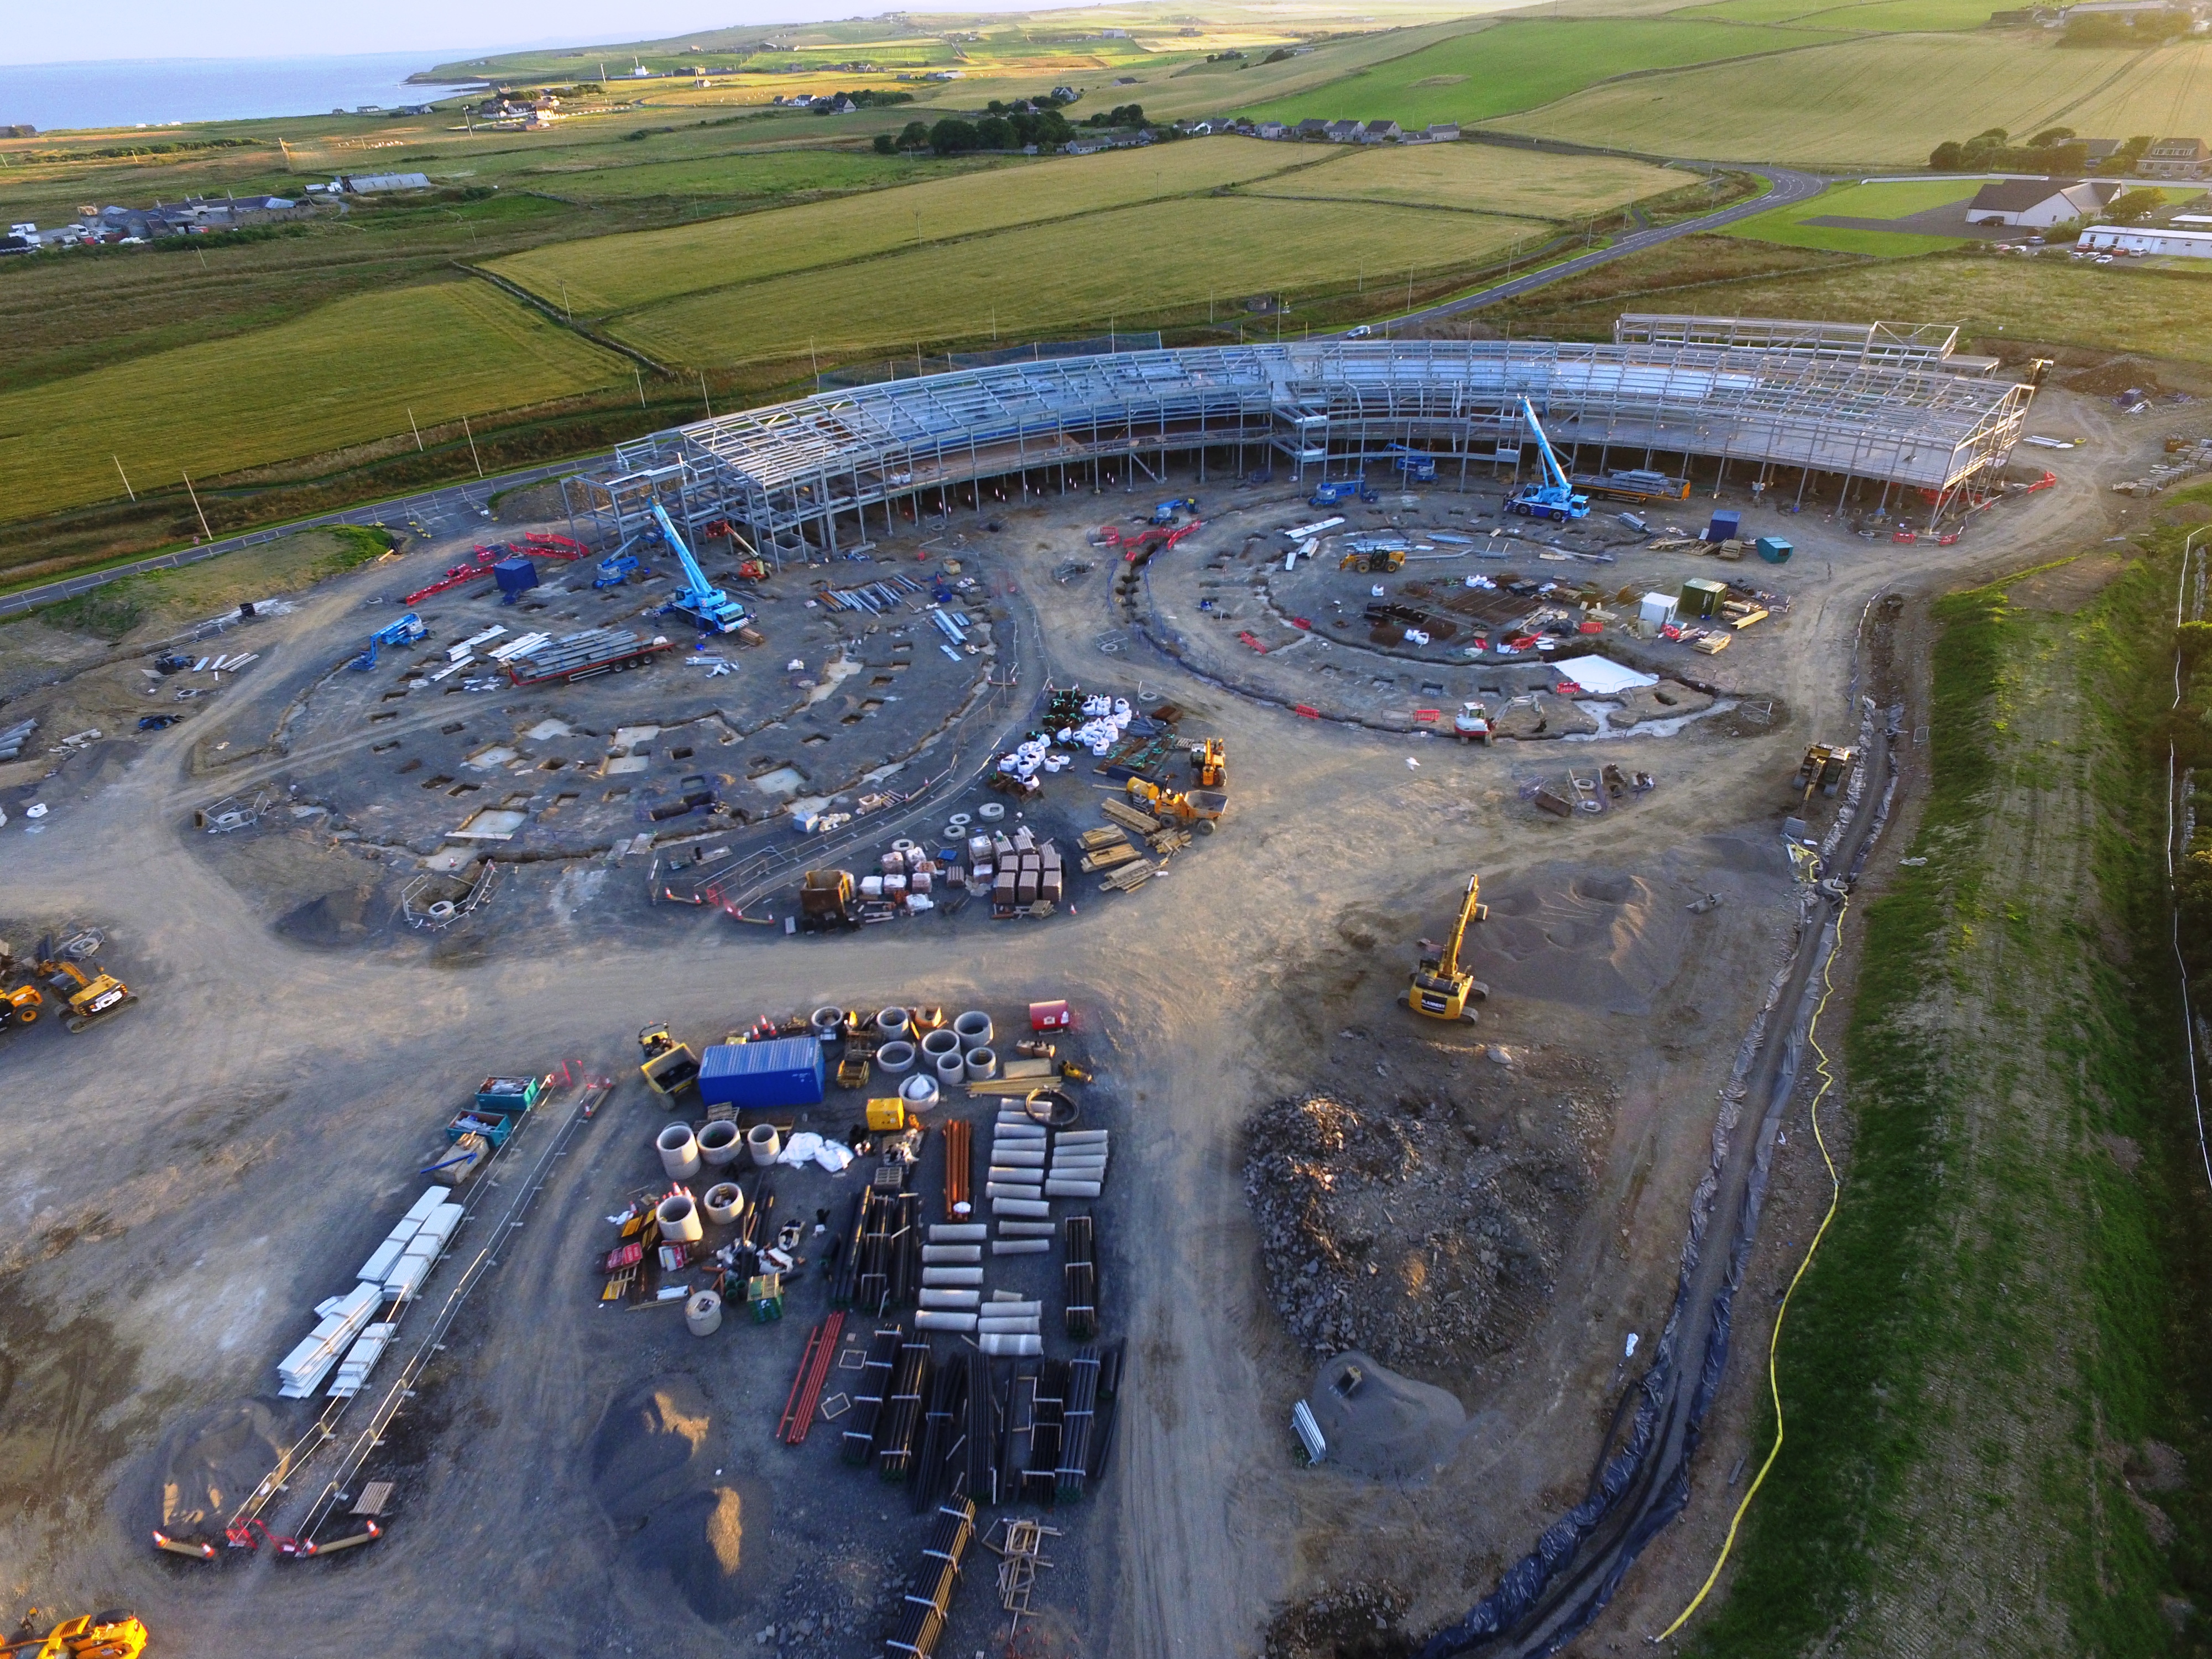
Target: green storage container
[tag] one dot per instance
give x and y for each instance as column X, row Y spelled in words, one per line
column 1702, row 596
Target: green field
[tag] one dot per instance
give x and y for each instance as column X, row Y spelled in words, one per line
column 345, row 374
column 2051, row 301
column 1519, row 65
column 1481, row 178
column 1878, row 15
column 612, row 275
column 745, row 176
column 1889, row 100
column 1786, row 225
column 1136, row 266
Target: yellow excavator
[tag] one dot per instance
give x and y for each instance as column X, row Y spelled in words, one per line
column 115, row 1634
column 95, row 996
column 1441, row 988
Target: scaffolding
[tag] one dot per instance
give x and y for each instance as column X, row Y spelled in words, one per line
column 1899, row 344
column 809, row 479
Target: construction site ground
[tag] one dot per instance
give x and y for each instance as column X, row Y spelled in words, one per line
column 255, row 1120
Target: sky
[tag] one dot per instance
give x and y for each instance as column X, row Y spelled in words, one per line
column 103, row 30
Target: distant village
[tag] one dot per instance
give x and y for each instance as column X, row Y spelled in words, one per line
column 198, row 216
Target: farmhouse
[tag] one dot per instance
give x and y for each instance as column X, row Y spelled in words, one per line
column 2038, row 204
column 2174, row 158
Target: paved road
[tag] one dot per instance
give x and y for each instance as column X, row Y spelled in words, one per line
column 443, row 513
column 1789, row 185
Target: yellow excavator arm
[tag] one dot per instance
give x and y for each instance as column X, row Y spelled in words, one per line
column 1441, row 988
column 1469, row 910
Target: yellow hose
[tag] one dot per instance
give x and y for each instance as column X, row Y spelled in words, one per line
column 1774, row 1341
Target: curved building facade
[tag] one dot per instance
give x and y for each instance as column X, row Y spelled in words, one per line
column 1792, row 404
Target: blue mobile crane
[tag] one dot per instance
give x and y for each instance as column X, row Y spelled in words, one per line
column 1554, row 498
column 713, row 611
column 406, row 631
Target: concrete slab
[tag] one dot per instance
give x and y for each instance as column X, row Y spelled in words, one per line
column 492, row 824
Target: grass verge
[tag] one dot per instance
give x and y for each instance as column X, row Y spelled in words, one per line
column 2001, row 1338
column 284, row 566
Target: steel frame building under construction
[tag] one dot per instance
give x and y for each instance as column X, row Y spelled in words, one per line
column 810, row 479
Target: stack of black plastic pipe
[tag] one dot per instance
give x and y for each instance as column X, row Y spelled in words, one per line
column 941, row 1435
column 899, row 1426
column 1075, row 1423
column 844, row 1278
column 980, row 1480
column 1081, row 1274
column 1040, row 1475
column 860, row 1440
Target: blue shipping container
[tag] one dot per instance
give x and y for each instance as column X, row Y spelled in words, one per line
column 786, row 1072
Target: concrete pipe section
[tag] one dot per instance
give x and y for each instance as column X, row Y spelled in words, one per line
column 679, row 1152
column 679, row 1220
column 703, row 1314
column 982, row 1063
column 941, row 1043
column 895, row 1059
column 720, row 1143
column 973, row 1029
column 827, row 1023
column 895, row 1023
column 725, row 1202
column 919, row 1093
column 764, row 1144
column 951, row 1069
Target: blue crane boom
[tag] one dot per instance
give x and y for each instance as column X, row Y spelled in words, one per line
column 1555, row 497
column 406, row 631
column 713, row 611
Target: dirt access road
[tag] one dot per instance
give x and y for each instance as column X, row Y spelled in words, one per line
column 178, row 1184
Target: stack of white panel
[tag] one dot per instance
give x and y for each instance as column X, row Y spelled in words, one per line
column 1078, row 1164
column 368, row 1348
column 1015, row 1183
column 1005, row 1325
column 388, row 1254
column 423, row 1252
column 301, row 1370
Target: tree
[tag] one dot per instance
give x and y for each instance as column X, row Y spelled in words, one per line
column 886, row 145
column 2133, row 206
column 914, row 135
column 2051, row 136
column 1946, row 157
column 951, row 136
column 995, row 132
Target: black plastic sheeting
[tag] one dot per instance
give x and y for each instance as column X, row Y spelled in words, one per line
column 1520, row 1589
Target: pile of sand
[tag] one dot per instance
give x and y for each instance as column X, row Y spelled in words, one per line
column 655, row 1459
column 1381, row 1425
column 1598, row 939
column 215, row 1462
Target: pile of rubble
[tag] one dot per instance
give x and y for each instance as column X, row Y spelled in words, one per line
column 1408, row 1232
column 1348, row 1621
